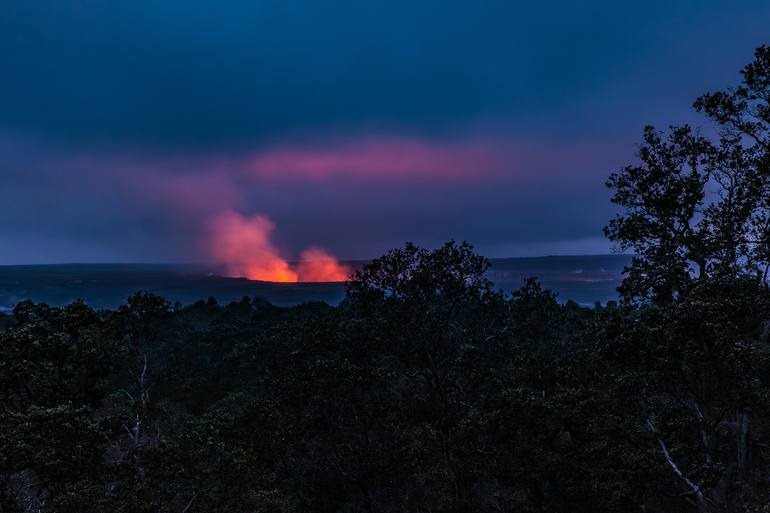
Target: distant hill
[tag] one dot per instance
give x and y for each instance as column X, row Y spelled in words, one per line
column 584, row 279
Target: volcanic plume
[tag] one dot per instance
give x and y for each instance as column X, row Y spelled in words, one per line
column 316, row 264
column 243, row 246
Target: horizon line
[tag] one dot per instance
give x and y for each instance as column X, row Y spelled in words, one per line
column 209, row 264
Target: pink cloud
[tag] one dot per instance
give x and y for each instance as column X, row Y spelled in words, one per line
column 242, row 244
column 201, row 192
column 382, row 158
column 316, row 264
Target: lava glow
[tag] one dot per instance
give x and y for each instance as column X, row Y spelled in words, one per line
column 316, row 264
column 242, row 244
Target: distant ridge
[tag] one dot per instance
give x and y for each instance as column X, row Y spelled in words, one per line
column 581, row 278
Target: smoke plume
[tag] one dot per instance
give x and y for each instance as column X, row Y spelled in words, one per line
column 316, row 264
column 243, row 246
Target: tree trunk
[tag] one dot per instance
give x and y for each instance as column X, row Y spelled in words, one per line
column 744, row 451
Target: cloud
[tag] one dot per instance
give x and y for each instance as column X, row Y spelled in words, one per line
column 125, row 127
column 188, row 194
column 318, row 265
column 383, row 158
column 243, row 245
column 197, row 74
column 357, row 195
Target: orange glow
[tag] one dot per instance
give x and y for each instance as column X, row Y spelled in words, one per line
column 278, row 270
column 317, row 264
column 242, row 244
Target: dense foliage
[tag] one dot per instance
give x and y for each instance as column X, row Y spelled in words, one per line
column 427, row 390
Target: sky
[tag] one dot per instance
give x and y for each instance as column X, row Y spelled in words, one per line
column 129, row 129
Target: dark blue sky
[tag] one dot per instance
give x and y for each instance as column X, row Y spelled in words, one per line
column 354, row 125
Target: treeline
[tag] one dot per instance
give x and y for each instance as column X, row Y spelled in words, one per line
column 427, row 390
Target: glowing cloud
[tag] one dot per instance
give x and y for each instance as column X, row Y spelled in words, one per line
column 242, row 244
column 316, row 264
column 380, row 158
